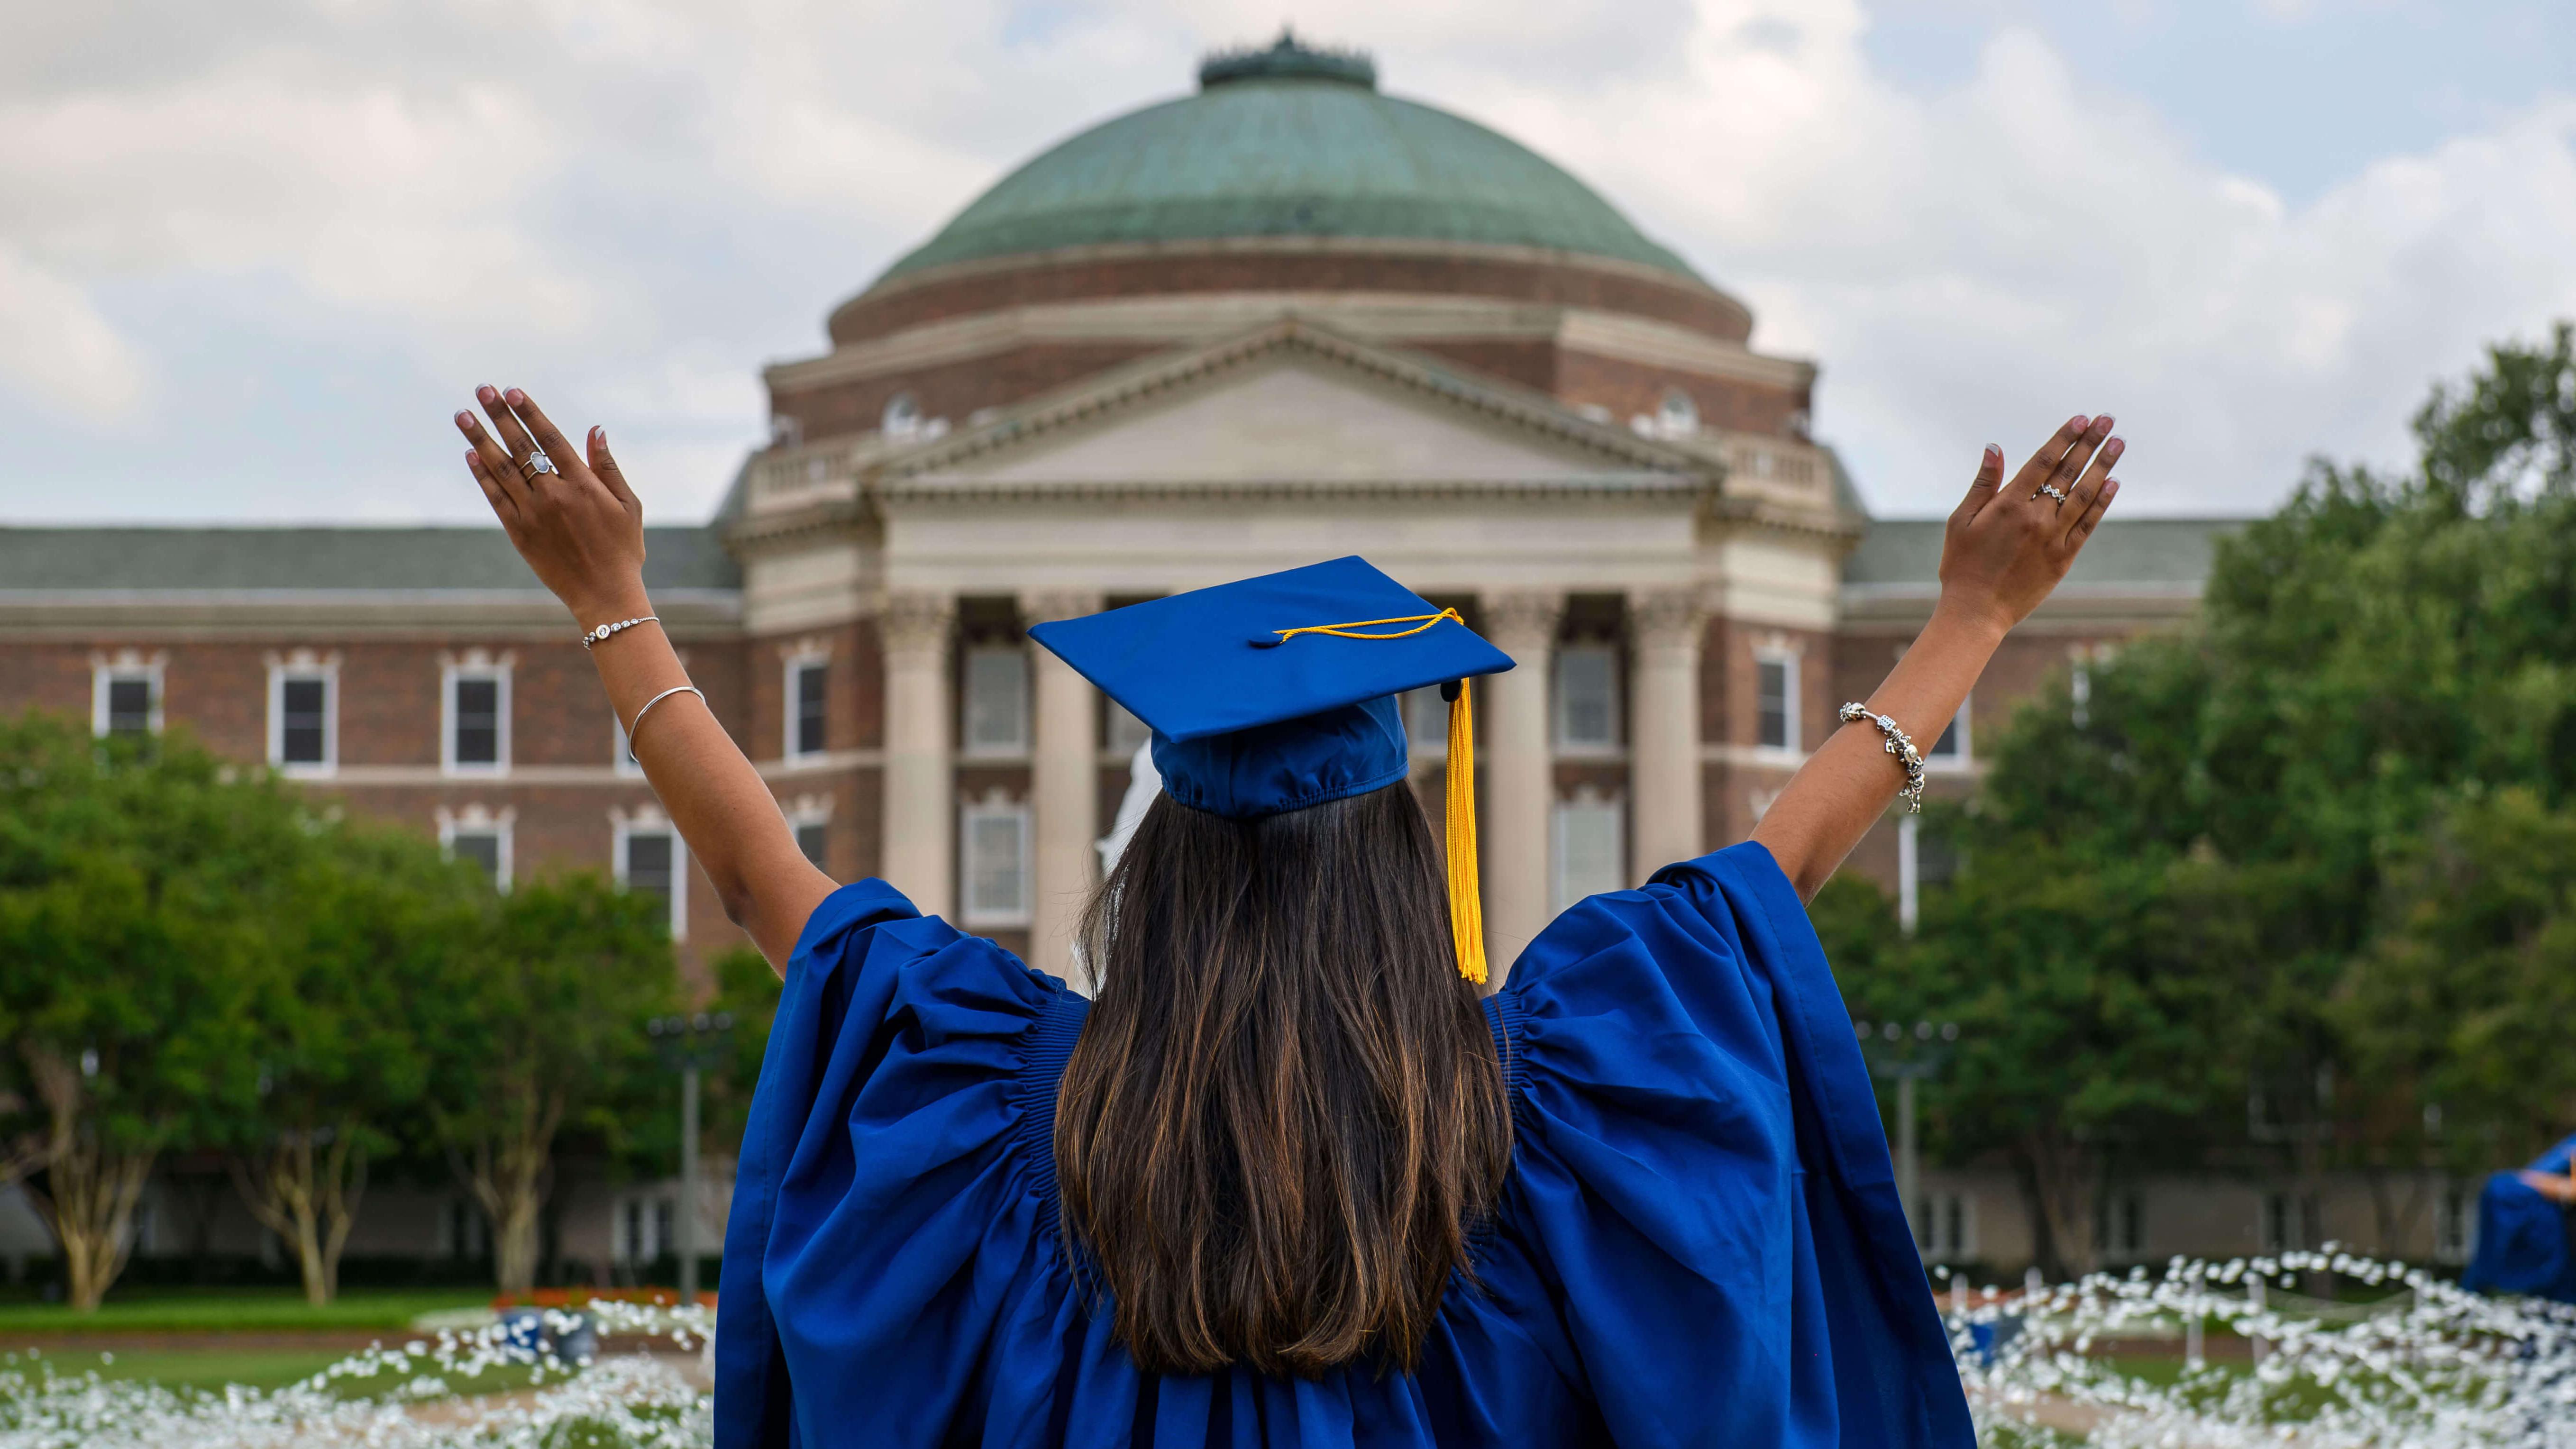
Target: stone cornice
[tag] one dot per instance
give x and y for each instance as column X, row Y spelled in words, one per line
column 1125, row 387
column 336, row 613
column 938, row 491
column 1079, row 256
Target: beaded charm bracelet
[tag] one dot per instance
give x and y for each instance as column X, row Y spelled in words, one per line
column 1897, row 745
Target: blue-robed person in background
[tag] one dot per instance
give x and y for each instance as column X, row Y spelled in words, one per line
column 2523, row 1224
column 1294, row 1177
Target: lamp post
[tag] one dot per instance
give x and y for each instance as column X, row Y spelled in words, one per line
column 687, row 1045
column 1906, row 1057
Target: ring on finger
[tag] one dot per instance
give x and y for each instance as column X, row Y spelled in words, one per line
column 2053, row 491
column 534, row 464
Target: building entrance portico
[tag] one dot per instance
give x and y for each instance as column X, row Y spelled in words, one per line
column 1278, row 447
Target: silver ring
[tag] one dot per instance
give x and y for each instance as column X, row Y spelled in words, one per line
column 2053, row 491
column 534, row 464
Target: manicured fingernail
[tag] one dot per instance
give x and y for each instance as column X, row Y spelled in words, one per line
column 2077, row 422
column 2104, row 422
column 518, row 399
column 2115, row 447
column 464, row 420
column 486, row 393
column 1994, row 454
column 599, row 437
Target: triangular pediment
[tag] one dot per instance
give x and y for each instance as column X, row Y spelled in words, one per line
column 1285, row 406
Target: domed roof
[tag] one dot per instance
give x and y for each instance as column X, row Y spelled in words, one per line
column 1288, row 141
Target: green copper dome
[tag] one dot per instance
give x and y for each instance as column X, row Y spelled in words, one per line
column 1288, row 141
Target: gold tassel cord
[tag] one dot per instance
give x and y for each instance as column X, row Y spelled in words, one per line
column 1466, row 902
column 1419, row 622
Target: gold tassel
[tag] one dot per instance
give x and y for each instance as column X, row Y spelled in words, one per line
column 1466, row 903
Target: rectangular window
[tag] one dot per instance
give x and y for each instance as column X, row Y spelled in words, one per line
column 300, row 724
column 1426, row 720
column 1587, row 697
column 1945, row 1227
column 993, row 840
column 488, row 849
column 302, row 735
column 125, row 700
column 1590, row 849
column 651, row 859
column 806, row 681
column 2120, row 1226
column 1120, row 729
column 460, row 1230
column 2455, row 1225
column 997, row 700
column 812, row 838
column 1775, row 695
column 478, row 719
column 1951, row 749
column 2289, row 1223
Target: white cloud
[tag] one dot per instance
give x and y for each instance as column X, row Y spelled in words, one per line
column 631, row 204
column 54, row 344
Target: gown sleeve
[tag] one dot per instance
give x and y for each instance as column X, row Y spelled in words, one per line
column 880, row 1214
column 1702, row 1188
column 2522, row 1243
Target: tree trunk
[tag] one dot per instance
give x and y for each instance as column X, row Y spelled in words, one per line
column 306, row 1189
column 90, row 1189
column 2065, row 1182
column 510, row 1173
column 88, row 1201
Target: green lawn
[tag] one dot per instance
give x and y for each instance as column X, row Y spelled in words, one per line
column 216, row 1310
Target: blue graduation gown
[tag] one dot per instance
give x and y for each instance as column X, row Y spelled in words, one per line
column 1699, row 1241
column 2522, row 1236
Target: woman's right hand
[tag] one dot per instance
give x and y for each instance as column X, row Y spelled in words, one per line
column 579, row 526
column 2008, row 544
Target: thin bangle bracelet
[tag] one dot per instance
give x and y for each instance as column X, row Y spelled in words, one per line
column 648, row 709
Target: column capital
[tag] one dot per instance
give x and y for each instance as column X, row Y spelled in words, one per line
column 1521, row 621
column 1045, row 606
column 916, row 623
column 1665, row 618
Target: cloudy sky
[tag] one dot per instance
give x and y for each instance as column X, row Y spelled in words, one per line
column 252, row 255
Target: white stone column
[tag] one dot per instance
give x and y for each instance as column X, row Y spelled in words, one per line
column 1664, row 796
column 920, row 848
column 1064, row 788
column 1519, row 758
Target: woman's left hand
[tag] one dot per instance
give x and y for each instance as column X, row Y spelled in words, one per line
column 2551, row 1185
column 579, row 526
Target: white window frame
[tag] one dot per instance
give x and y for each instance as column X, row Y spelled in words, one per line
column 1560, row 700
column 1928, row 1212
column 1116, row 736
column 1562, row 890
column 103, row 672
column 2108, row 1224
column 792, row 677
column 618, row 749
column 970, row 912
column 967, row 745
column 449, row 676
column 1961, row 758
column 452, row 826
column 278, row 676
column 810, row 813
column 654, row 825
column 1795, row 728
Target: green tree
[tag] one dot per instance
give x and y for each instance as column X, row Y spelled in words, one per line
column 377, row 930
column 133, row 880
column 544, row 1032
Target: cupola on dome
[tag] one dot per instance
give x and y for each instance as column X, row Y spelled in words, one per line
column 1288, row 140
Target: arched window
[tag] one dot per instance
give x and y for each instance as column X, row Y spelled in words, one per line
column 1676, row 416
column 902, row 416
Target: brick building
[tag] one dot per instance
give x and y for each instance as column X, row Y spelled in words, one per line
column 1283, row 318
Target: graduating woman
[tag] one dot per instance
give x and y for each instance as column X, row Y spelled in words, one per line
column 1294, row 1177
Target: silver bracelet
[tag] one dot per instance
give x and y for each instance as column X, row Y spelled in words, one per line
column 603, row 631
column 648, row 708
column 1897, row 745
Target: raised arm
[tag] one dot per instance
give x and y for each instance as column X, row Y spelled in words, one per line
column 2006, row 547
column 582, row 530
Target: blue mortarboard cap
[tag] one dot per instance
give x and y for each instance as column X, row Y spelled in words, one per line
column 1275, row 693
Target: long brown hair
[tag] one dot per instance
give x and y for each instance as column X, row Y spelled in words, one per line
column 1285, row 1114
